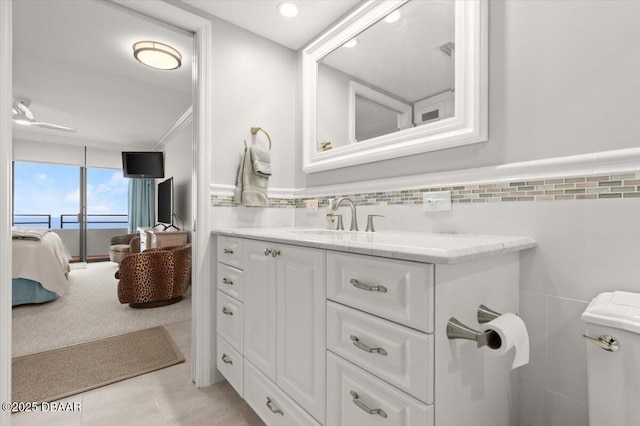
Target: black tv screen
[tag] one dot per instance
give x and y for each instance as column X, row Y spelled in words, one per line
column 143, row 164
column 165, row 201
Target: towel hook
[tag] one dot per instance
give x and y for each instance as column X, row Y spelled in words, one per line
column 255, row 130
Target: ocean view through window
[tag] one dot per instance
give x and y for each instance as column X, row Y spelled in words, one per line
column 48, row 196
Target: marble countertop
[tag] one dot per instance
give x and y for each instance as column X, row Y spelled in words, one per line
column 414, row 246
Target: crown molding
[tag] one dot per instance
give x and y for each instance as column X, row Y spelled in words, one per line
column 183, row 121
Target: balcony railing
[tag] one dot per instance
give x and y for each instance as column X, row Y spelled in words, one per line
column 74, row 219
column 45, row 219
column 101, row 228
column 69, row 219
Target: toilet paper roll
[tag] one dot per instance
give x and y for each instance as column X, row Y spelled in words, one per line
column 513, row 334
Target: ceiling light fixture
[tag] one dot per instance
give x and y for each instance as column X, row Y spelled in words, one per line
column 393, row 17
column 288, row 10
column 351, row 43
column 157, row 55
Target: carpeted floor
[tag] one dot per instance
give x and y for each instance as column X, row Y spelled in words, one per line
column 89, row 310
column 58, row 373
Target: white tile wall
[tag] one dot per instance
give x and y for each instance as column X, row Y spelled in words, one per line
column 533, row 311
column 566, row 348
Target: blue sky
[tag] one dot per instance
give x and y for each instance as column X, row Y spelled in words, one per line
column 54, row 189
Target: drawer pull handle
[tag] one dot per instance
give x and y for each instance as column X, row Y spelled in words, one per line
column 273, row 410
column 364, row 407
column 225, row 359
column 267, row 251
column 363, row 286
column 227, row 281
column 226, row 311
column 227, row 251
column 275, row 253
column 358, row 344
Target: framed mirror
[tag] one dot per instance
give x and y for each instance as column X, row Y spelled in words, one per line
column 395, row 78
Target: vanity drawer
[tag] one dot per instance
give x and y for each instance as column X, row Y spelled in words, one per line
column 396, row 354
column 356, row 394
column 229, row 320
column 270, row 403
column 397, row 290
column 230, row 251
column 229, row 281
column 230, row 363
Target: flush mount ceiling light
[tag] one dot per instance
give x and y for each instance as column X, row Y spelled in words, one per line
column 288, row 10
column 351, row 43
column 157, row 55
column 393, row 17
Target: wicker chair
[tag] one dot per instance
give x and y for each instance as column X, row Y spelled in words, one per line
column 155, row 277
column 122, row 245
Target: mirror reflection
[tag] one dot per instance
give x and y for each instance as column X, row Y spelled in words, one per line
column 398, row 73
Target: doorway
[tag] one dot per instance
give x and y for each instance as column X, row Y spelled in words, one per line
column 203, row 344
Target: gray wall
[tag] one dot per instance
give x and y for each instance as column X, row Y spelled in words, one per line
column 253, row 85
column 178, row 158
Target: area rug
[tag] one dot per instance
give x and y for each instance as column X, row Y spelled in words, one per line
column 58, row 373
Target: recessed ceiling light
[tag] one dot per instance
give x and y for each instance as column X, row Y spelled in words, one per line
column 288, row 10
column 157, row 55
column 393, row 17
column 351, row 43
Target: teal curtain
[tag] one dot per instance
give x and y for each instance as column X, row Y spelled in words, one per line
column 142, row 198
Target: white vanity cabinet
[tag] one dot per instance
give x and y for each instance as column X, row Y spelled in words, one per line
column 335, row 336
column 260, row 301
column 283, row 327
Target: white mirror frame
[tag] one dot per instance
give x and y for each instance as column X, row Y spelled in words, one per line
column 468, row 125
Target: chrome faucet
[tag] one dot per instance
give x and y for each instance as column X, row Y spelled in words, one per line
column 354, row 220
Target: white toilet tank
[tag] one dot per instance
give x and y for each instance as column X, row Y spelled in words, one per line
column 613, row 358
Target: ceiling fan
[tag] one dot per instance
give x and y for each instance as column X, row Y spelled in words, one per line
column 23, row 115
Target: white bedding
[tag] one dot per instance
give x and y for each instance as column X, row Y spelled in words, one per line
column 45, row 261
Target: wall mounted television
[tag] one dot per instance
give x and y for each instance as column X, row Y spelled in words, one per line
column 143, row 164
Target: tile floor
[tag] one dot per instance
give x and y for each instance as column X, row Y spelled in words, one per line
column 164, row 397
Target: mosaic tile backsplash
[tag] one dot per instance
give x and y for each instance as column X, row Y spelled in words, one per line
column 625, row 185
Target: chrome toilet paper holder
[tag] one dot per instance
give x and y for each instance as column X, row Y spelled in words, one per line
column 458, row 330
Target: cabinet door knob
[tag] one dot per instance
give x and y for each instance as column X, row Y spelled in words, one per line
column 227, row 281
column 267, row 251
column 227, row 251
column 275, row 253
column 225, row 359
column 273, row 410
column 226, row 311
column 367, row 287
column 358, row 344
column 364, row 407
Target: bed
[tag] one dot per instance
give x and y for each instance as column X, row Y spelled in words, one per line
column 40, row 267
